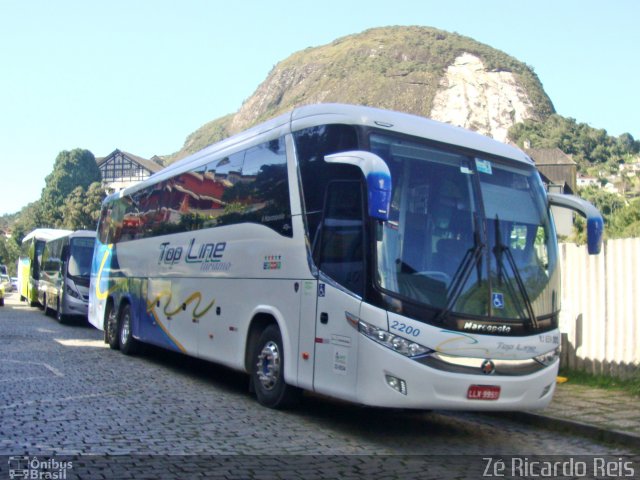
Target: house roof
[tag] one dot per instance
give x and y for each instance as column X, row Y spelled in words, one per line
column 150, row 165
column 549, row 156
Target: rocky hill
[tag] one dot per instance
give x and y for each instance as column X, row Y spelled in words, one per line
column 418, row 70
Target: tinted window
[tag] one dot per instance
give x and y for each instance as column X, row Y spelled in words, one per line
column 112, row 221
column 261, row 193
column 80, row 258
column 339, row 250
column 249, row 186
column 312, row 145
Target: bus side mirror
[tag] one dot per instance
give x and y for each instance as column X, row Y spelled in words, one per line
column 595, row 224
column 378, row 177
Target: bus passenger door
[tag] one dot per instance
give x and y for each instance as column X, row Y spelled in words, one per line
column 339, row 253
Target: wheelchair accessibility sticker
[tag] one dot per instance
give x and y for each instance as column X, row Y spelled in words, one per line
column 498, row 300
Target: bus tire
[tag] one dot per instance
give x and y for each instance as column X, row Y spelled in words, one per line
column 45, row 310
column 128, row 344
column 59, row 316
column 267, row 371
column 111, row 327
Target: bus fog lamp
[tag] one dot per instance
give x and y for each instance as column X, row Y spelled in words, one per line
column 396, row 383
column 546, row 390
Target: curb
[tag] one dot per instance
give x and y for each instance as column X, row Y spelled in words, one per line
column 594, row 432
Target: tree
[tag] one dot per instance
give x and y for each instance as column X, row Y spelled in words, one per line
column 29, row 219
column 586, row 144
column 626, row 222
column 81, row 208
column 608, row 203
column 72, row 169
column 9, row 252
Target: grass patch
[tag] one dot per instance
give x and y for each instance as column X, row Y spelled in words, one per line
column 630, row 385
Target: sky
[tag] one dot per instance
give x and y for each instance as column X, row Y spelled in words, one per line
column 141, row 75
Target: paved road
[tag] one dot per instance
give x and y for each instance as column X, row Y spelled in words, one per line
column 63, row 393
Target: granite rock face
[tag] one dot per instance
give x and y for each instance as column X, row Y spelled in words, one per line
column 417, row 70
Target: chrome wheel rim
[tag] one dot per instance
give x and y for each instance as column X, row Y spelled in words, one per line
column 269, row 365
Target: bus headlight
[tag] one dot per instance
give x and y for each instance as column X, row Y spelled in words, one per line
column 72, row 292
column 548, row 358
column 383, row 337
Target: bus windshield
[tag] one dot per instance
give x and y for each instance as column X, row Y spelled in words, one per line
column 466, row 235
column 80, row 256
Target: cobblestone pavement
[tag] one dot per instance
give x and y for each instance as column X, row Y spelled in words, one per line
column 64, row 394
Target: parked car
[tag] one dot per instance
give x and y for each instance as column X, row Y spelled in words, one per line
column 14, row 283
column 1, row 295
column 6, row 283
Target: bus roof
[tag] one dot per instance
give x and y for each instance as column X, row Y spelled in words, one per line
column 327, row 113
column 83, row 234
column 46, row 234
column 399, row 122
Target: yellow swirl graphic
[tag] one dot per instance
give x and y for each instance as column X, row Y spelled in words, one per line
column 196, row 296
column 168, row 295
column 151, row 310
column 103, row 295
column 447, row 345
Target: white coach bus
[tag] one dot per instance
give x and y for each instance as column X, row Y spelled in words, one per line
column 368, row 255
column 65, row 271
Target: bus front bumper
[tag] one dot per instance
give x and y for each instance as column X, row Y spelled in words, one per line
column 389, row 379
column 75, row 306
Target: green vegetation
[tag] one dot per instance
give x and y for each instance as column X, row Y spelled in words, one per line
column 591, row 148
column 608, row 382
column 599, row 155
column 81, row 208
column 9, row 252
column 72, row 169
column 622, row 218
column 71, row 199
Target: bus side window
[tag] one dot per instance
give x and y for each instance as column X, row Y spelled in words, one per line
column 339, row 249
column 312, row 145
column 103, row 225
column 265, row 196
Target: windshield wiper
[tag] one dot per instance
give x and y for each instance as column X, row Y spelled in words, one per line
column 472, row 258
column 500, row 249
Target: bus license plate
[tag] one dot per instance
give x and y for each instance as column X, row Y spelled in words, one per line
column 483, row 392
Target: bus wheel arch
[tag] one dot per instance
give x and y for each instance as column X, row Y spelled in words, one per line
column 265, row 362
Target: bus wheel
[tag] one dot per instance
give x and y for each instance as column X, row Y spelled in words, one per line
column 128, row 344
column 268, row 371
column 46, row 310
column 59, row 316
column 111, row 327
